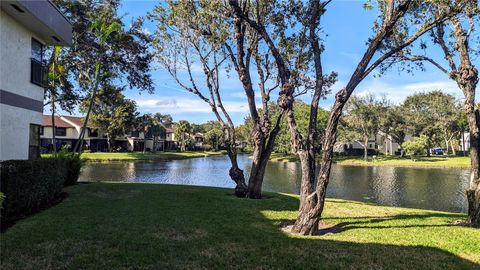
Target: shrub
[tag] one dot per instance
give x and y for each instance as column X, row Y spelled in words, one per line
column 207, row 147
column 30, row 185
column 74, row 165
column 416, row 146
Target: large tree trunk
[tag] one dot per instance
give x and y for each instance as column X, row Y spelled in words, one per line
column 236, row 174
column 309, row 216
column 473, row 191
column 262, row 149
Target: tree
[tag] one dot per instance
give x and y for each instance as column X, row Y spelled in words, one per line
column 392, row 14
column 362, row 119
column 214, row 137
column 183, row 129
column 103, row 31
column 463, row 126
column 454, row 38
column 54, row 75
column 112, row 113
column 145, row 124
column 160, row 123
column 434, row 114
column 101, row 42
column 416, row 146
column 179, row 43
column 301, row 111
column 393, row 123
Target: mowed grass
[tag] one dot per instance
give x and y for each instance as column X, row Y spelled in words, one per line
column 116, row 156
column 394, row 161
column 151, row 226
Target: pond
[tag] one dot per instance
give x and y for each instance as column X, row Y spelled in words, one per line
column 427, row 188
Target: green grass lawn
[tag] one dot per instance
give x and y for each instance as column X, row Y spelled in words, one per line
column 395, row 161
column 100, row 156
column 151, row 226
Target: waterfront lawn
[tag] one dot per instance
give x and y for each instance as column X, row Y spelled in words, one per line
column 151, row 226
column 114, row 156
column 394, row 161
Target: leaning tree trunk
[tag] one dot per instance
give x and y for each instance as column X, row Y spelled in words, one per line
column 263, row 148
column 236, row 174
column 79, row 145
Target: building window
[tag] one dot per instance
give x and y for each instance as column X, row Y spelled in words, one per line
column 34, row 142
column 41, row 130
column 59, row 131
column 37, row 67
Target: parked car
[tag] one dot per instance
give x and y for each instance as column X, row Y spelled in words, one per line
column 437, row 151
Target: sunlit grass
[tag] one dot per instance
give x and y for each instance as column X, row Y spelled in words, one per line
column 151, row 226
column 100, row 156
column 395, row 161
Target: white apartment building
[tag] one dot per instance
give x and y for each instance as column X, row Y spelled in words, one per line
column 26, row 28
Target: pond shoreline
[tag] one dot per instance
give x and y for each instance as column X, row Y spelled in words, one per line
column 457, row 162
column 140, row 156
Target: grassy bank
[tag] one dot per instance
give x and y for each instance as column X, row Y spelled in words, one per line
column 117, row 156
column 147, row 226
column 394, row 161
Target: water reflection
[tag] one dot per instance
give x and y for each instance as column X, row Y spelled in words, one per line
column 438, row 189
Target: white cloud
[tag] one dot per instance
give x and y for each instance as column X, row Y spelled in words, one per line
column 397, row 93
column 186, row 105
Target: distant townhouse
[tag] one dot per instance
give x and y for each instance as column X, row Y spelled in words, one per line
column 67, row 130
column 198, row 140
column 26, row 28
column 380, row 143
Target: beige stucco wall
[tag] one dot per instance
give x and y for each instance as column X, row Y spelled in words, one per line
column 15, row 53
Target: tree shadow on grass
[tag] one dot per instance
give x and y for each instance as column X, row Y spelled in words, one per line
column 324, row 252
column 183, row 227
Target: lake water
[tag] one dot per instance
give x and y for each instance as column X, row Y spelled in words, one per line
column 427, row 188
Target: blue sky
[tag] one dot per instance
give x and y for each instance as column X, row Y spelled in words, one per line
column 347, row 25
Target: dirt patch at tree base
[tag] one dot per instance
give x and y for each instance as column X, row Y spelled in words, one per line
column 323, row 228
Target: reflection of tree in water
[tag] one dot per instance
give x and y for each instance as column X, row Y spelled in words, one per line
column 439, row 189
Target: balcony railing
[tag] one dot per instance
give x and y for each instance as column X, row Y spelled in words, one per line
column 38, row 73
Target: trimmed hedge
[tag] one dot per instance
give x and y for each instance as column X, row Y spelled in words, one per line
column 32, row 185
column 74, row 165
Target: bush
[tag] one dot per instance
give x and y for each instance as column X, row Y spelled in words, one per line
column 207, row 147
column 30, row 185
column 74, row 165
column 416, row 146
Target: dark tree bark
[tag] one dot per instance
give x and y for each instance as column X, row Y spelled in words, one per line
column 466, row 77
column 263, row 135
column 311, row 205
